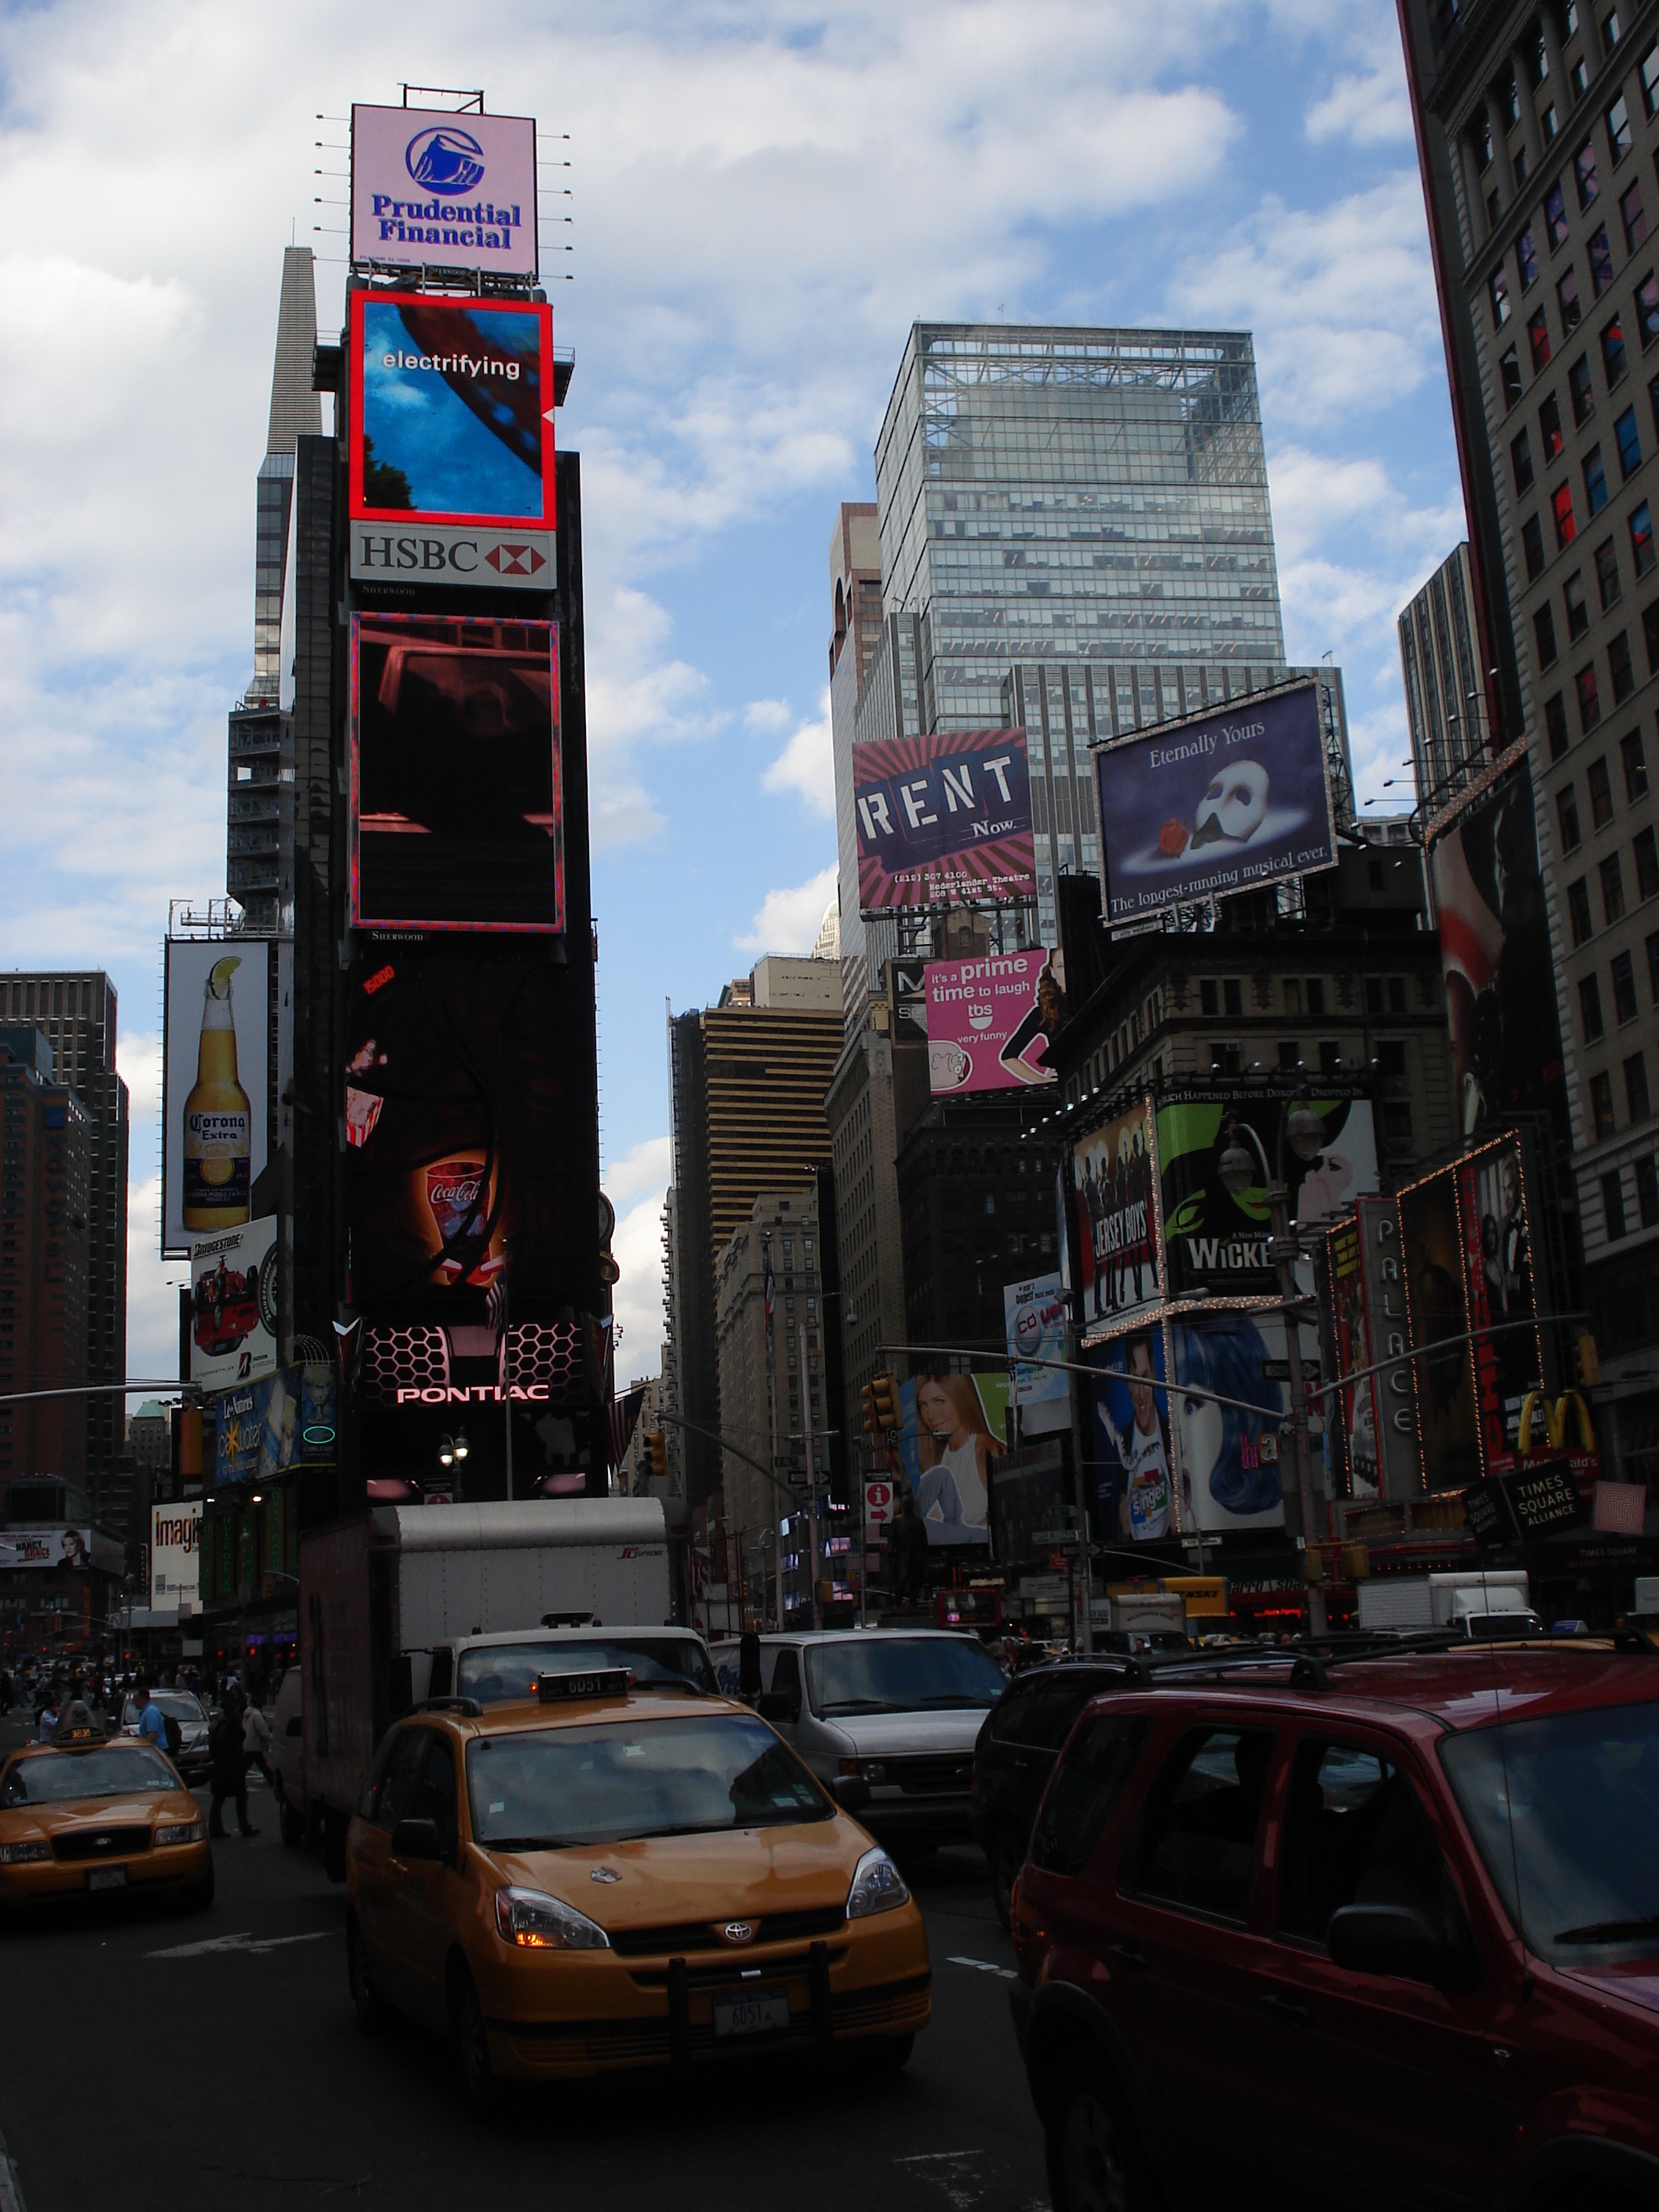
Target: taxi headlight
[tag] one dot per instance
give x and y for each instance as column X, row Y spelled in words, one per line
column 877, row 1886
column 535, row 1922
column 24, row 1854
column 181, row 1832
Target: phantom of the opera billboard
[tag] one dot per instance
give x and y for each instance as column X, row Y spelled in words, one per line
column 431, row 188
column 943, row 820
column 450, row 456
column 455, row 797
column 1218, row 802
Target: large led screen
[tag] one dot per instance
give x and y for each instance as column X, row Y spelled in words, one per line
column 455, row 803
column 452, row 411
column 942, row 819
column 434, row 189
column 1216, row 804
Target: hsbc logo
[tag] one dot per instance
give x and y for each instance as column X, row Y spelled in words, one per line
column 443, row 554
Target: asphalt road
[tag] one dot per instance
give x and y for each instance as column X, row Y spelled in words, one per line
column 148, row 2060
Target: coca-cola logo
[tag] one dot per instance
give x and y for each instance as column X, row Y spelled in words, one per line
column 456, row 1194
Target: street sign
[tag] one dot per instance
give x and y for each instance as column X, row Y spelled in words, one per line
column 877, row 1503
column 1052, row 1536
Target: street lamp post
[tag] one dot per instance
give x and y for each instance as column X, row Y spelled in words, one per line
column 1299, row 1123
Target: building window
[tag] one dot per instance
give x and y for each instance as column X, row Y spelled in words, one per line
column 1292, row 995
column 1589, row 1008
column 1521, row 167
column 1624, row 988
column 1636, row 1087
column 1601, row 261
column 1555, row 215
column 1606, row 573
column 1612, row 1196
column 1561, row 505
column 1618, row 119
column 1649, row 76
column 1635, row 765
column 1646, row 850
column 1613, row 352
column 1208, row 998
column 1232, row 996
column 1596, row 481
column 1589, row 703
column 1630, row 445
column 1315, row 989
column 1635, row 221
column 1602, row 1105
column 1555, row 723
column 1618, row 667
column 1223, row 1059
column 1543, row 629
column 1583, row 171
column 1509, row 368
column 1641, row 539
column 1290, row 1053
column 1566, row 814
column 1521, row 462
column 1566, row 299
column 1330, row 1056
column 1610, row 33
column 1527, row 256
column 1573, row 593
column 1532, row 545
column 1397, row 1125
column 1549, row 123
column 1647, row 1193
column 1579, row 390
column 1647, row 310
column 1549, row 427
column 1612, row 890
column 1579, row 77
column 1599, row 785
column 1578, row 911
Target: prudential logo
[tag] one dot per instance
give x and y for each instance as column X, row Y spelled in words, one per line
column 445, row 159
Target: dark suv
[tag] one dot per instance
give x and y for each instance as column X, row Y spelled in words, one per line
column 1371, row 1931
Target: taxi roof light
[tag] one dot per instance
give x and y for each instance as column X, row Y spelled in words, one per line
column 594, row 1682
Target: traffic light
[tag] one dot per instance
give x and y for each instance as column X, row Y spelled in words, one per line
column 885, row 1390
column 656, row 1453
column 1590, row 1362
column 867, row 1397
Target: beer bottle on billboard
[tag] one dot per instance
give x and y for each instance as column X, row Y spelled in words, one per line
column 218, row 1180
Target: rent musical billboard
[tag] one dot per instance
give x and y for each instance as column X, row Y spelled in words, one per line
column 1217, row 803
column 943, row 819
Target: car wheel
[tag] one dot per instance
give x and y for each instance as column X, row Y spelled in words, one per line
column 293, row 1825
column 480, row 2092
column 1007, row 1856
column 365, row 1997
column 1089, row 2165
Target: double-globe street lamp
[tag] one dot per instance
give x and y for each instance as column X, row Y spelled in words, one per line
column 1300, row 1126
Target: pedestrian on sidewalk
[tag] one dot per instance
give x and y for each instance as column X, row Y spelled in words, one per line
column 229, row 1768
column 256, row 1739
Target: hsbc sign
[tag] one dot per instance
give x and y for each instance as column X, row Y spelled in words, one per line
column 520, row 559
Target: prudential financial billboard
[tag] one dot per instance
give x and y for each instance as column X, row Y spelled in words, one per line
column 436, row 190
column 1216, row 804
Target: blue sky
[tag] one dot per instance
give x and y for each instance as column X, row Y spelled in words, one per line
column 762, row 198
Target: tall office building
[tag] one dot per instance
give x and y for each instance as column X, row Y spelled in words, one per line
column 748, row 1078
column 76, row 1014
column 1444, row 684
column 44, row 1238
column 1537, row 128
column 259, row 805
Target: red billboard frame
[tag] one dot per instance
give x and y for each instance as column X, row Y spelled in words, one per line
column 412, row 518
column 355, row 916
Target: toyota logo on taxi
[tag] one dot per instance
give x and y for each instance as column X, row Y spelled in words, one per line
column 738, row 1931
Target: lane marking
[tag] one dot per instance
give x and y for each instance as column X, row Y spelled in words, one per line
column 982, row 1966
column 244, row 1941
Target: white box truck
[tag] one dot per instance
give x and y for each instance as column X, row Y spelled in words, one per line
column 377, row 1594
column 1474, row 1601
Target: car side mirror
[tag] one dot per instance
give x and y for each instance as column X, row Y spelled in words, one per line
column 1396, row 1939
column 851, row 1792
column 416, row 1839
column 783, row 1705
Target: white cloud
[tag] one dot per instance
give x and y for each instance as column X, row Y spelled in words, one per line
column 645, row 1167
column 1368, row 106
column 806, row 765
column 789, row 920
column 766, row 714
column 636, row 1300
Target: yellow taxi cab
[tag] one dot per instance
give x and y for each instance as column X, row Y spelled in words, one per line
column 612, row 1876
column 85, row 1813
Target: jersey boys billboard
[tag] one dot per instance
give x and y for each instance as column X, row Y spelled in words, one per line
column 431, row 189
column 1218, row 802
column 456, row 812
column 943, row 819
column 452, row 418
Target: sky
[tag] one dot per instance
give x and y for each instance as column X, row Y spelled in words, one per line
column 759, row 201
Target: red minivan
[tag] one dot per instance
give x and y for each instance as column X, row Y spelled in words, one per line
column 1373, row 1931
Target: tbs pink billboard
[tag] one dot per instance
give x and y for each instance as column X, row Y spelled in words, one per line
column 989, row 1022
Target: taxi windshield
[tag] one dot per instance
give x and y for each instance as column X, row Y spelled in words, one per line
column 634, row 1778
column 51, row 1777
column 902, row 1674
column 1554, row 1805
column 497, row 1674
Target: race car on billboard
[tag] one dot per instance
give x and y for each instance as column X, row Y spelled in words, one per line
column 227, row 1308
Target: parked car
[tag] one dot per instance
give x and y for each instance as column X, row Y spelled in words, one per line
column 192, row 1758
column 899, row 1708
column 1015, row 1753
column 1386, row 1923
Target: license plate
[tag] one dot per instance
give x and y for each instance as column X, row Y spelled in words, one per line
column 756, row 2012
column 107, row 1878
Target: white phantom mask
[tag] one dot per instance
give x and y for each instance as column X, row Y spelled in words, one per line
column 1234, row 807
